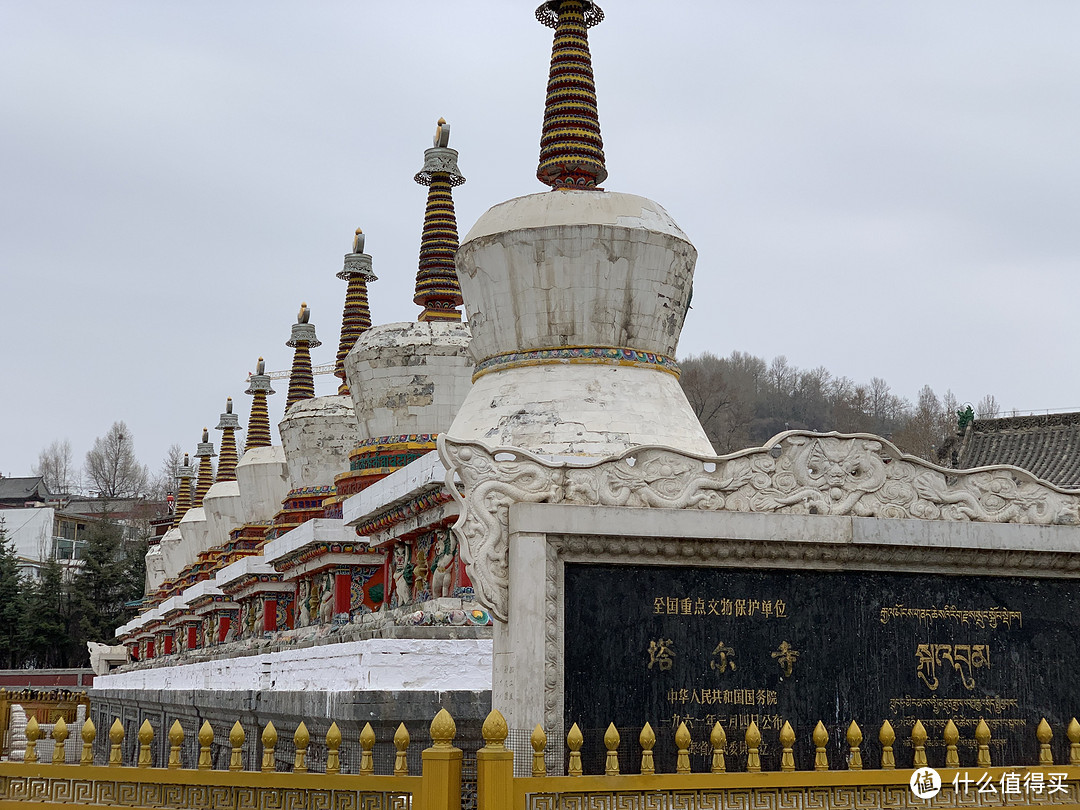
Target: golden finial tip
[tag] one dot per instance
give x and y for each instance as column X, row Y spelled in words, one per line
column 442, row 134
column 359, row 230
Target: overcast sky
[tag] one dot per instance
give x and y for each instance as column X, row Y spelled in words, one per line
column 887, row 188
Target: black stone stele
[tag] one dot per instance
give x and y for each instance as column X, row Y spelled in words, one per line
column 666, row 644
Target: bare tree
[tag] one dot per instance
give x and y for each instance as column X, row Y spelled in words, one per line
column 111, row 467
column 56, row 465
column 920, row 433
column 712, row 396
column 949, row 406
column 164, row 483
column 987, row 407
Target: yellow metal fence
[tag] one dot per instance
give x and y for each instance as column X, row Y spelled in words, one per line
column 854, row 782
column 850, row 784
column 196, row 784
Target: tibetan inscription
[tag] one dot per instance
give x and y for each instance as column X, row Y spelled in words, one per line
column 667, row 645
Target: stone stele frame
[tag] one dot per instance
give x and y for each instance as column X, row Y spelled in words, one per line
column 822, row 501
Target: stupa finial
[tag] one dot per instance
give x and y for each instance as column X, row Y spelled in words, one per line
column 204, row 452
column 228, row 425
column 302, row 339
column 571, row 149
column 183, row 492
column 437, row 289
column 356, row 318
column 259, row 420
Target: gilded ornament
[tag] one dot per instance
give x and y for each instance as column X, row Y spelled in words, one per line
column 401, row 743
column 236, row 740
column 301, row 739
column 982, row 737
column 611, row 743
column 753, row 743
column 116, row 737
column 367, row 745
column 443, row 729
column 176, row 739
column 886, row 736
column 495, row 729
column 787, row 740
column 952, row 737
column 574, row 742
column 718, row 739
column 918, row 742
column 333, row 743
column 821, row 739
column 89, row 734
column 854, row 740
column 59, row 734
column 538, row 740
column 647, row 739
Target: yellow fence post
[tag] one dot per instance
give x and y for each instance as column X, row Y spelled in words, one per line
column 494, row 766
column 5, row 722
column 440, row 788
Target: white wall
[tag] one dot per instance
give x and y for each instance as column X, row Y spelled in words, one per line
column 31, row 530
column 385, row 664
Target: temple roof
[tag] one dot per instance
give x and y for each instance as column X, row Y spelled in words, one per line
column 15, row 491
column 1047, row 445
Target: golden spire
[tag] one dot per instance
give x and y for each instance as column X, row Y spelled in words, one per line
column 356, row 318
column 204, row 452
column 302, row 339
column 571, row 149
column 183, row 494
column 437, row 289
column 228, row 426
column 259, row 419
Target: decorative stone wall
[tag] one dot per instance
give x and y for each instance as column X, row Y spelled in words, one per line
column 409, row 378
column 576, row 300
column 575, row 268
column 224, row 510
column 318, row 435
column 409, row 663
column 195, row 536
column 264, row 482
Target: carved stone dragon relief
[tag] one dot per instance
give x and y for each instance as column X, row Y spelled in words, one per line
column 795, row 472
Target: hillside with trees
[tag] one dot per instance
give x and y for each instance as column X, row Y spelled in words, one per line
column 742, row 401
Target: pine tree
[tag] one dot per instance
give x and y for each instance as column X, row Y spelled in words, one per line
column 12, row 603
column 46, row 630
column 101, row 588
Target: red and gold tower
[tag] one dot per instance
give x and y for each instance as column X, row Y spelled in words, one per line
column 571, row 149
column 302, row 339
column 356, row 318
column 437, row 289
column 183, row 494
column 204, row 452
column 259, row 420
column 228, row 425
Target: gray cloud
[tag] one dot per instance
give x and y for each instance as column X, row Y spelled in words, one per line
column 885, row 189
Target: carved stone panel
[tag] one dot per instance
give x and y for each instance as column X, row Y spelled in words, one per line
column 672, row 644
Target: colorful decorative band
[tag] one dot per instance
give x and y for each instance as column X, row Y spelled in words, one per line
column 323, row 490
column 384, row 520
column 594, row 355
column 404, row 438
column 384, row 462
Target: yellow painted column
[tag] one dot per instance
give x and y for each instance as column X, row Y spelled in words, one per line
column 494, row 766
column 441, row 774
